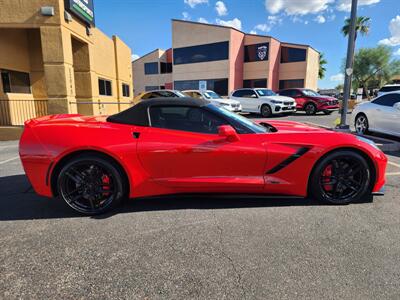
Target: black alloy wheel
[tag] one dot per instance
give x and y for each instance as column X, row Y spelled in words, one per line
column 91, row 185
column 266, row 111
column 341, row 177
column 310, row 108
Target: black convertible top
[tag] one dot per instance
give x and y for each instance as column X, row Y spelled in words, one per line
column 138, row 114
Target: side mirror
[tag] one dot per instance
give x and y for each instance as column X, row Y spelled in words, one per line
column 253, row 96
column 397, row 105
column 228, row 132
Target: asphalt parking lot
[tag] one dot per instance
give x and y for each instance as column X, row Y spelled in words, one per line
column 198, row 247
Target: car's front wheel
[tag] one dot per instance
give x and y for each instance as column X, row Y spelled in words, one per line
column 310, row 108
column 361, row 124
column 341, row 177
column 266, row 111
column 91, row 184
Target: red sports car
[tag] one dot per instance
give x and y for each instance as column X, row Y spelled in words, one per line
column 168, row 146
column 311, row 102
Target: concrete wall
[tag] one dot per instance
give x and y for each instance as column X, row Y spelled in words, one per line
column 64, row 61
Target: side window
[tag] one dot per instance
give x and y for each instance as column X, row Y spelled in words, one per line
column 148, row 96
column 387, row 100
column 285, row 93
column 190, row 94
column 185, row 118
column 249, row 94
column 238, row 93
column 197, row 95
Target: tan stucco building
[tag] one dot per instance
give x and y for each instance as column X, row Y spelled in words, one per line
column 227, row 59
column 51, row 60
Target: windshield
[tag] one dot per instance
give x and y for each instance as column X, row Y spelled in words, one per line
column 180, row 94
column 310, row 93
column 265, row 92
column 211, row 95
column 238, row 120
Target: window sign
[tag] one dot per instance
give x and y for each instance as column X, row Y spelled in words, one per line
column 202, row 85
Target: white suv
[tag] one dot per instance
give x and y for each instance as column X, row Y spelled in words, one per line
column 388, row 89
column 263, row 101
column 213, row 97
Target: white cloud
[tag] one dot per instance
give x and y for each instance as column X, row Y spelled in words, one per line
column 221, row 9
column 235, row 23
column 397, row 52
column 297, row 7
column 253, row 32
column 135, row 56
column 320, row 19
column 337, row 77
column 202, row 20
column 186, row 16
column 193, row 3
column 394, row 28
column 345, row 5
column 263, row 27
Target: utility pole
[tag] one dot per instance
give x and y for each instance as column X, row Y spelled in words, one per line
column 349, row 66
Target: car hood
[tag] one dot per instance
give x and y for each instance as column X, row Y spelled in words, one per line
column 323, row 98
column 278, row 98
column 290, row 126
column 225, row 101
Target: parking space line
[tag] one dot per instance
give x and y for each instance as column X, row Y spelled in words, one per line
column 8, row 160
column 393, row 164
column 392, row 173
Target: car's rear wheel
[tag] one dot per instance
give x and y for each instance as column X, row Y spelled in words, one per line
column 266, row 111
column 91, row 184
column 341, row 177
column 361, row 124
column 310, row 108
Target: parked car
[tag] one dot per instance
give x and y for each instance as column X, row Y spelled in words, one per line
column 388, row 89
column 380, row 115
column 168, row 146
column 159, row 94
column 213, row 97
column 311, row 102
column 263, row 101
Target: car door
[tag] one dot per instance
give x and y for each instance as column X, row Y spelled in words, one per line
column 182, row 150
column 248, row 99
column 387, row 116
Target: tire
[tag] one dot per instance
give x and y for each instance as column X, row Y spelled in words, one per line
column 91, row 184
column 266, row 111
column 310, row 108
column 361, row 124
column 328, row 112
column 341, row 177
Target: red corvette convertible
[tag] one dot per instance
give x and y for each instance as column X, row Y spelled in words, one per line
column 169, row 146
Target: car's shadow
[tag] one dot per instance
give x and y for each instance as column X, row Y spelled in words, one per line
column 19, row 202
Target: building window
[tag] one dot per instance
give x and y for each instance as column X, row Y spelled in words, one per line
column 256, row 52
column 255, row 83
column 151, row 88
column 201, row 53
column 292, row 83
column 166, row 67
column 15, row 82
column 292, row 54
column 125, row 90
column 105, row 87
column 151, row 68
column 220, row 86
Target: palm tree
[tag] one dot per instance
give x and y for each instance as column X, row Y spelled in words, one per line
column 362, row 26
column 322, row 66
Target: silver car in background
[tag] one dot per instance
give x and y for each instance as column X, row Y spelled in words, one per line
column 213, row 97
column 380, row 115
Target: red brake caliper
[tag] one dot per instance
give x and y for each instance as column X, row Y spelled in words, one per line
column 326, row 178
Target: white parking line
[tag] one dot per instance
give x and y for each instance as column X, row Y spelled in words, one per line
column 8, row 160
column 392, row 173
column 393, row 164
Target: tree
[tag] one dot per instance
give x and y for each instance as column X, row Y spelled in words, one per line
column 339, row 87
column 322, row 66
column 362, row 26
column 373, row 67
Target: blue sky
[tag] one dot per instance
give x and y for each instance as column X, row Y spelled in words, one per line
column 146, row 24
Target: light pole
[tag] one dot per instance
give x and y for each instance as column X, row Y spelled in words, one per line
column 349, row 65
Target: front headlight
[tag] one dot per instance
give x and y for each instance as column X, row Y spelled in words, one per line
column 276, row 102
column 367, row 141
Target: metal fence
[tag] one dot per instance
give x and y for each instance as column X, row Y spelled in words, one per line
column 16, row 112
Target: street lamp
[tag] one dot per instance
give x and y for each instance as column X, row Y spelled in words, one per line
column 349, row 66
